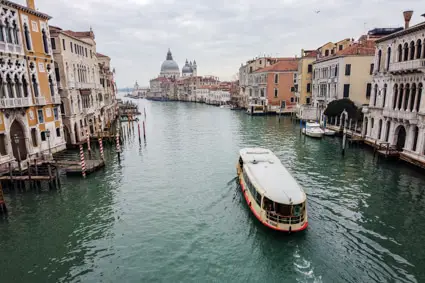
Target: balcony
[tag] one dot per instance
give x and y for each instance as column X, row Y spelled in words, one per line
column 411, row 117
column 86, row 85
column 15, row 102
column 56, row 99
column 10, row 48
column 412, row 66
column 41, row 100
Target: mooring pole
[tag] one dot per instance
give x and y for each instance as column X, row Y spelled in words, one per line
column 344, row 137
column 83, row 163
column 138, row 130
column 144, row 130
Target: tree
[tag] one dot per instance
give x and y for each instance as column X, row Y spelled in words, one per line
column 336, row 107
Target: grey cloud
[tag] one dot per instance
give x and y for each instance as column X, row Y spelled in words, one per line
column 219, row 34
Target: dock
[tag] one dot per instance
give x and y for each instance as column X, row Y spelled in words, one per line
column 74, row 167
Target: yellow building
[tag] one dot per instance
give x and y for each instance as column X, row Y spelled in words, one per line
column 303, row 87
column 45, row 132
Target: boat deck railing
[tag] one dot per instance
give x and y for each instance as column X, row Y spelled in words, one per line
column 284, row 219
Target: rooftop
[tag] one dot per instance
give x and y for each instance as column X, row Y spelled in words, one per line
column 361, row 48
column 281, row 66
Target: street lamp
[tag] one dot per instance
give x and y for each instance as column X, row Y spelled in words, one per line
column 16, row 140
column 48, row 141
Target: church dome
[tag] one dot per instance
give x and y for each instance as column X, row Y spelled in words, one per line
column 187, row 69
column 169, row 65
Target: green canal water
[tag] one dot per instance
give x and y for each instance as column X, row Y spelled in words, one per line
column 171, row 211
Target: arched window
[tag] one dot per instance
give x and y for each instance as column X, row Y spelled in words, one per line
column 35, row 85
column 9, row 86
column 418, row 105
column 15, row 32
column 379, row 129
column 17, row 87
column 406, row 96
column 375, row 94
column 418, row 49
column 384, row 97
column 400, row 97
column 412, row 50
column 8, row 29
column 413, row 94
column 415, row 138
column 388, row 58
column 379, row 60
column 25, row 86
column 27, row 37
column 51, row 86
column 1, row 32
column 406, row 52
column 45, row 41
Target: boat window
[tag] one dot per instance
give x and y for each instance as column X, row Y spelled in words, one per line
column 252, row 189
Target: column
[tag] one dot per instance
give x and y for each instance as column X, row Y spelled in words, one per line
column 420, row 147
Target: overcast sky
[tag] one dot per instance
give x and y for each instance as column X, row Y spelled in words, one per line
column 218, row 34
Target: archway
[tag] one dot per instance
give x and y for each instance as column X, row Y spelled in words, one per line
column 77, row 140
column 17, row 129
column 400, row 137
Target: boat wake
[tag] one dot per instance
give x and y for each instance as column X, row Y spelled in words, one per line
column 303, row 267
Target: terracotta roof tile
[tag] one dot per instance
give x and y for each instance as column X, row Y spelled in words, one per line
column 100, row 55
column 281, row 66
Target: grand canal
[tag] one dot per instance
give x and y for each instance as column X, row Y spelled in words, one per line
column 171, row 211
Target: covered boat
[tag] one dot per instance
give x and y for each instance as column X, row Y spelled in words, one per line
column 272, row 194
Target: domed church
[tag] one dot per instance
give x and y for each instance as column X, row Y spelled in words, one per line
column 170, row 69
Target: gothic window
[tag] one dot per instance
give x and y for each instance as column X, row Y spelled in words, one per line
column 375, row 94
column 25, row 86
column 3, row 89
column 400, row 101
column 406, row 96
column 1, row 32
column 388, row 57
column 395, row 96
column 15, row 33
column 379, row 60
column 9, row 86
column 412, row 50
column 406, row 52
column 8, row 30
column 17, row 87
column 418, row 49
column 400, row 53
column 384, row 95
column 35, row 85
column 413, row 94
column 419, row 97
column 27, row 37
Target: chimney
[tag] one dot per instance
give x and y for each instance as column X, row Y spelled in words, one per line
column 31, row 4
column 407, row 16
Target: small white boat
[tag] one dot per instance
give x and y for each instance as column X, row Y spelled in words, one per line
column 226, row 106
column 313, row 130
column 271, row 192
column 329, row 132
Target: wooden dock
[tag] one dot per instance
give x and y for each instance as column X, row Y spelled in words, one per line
column 74, row 167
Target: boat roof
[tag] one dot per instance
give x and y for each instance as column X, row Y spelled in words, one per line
column 270, row 176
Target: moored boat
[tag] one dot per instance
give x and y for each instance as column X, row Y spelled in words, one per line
column 329, row 132
column 272, row 194
column 313, row 130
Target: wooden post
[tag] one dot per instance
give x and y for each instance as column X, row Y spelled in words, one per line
column 49, row 169
column 344, row 137
column 82, row 161
column 11, row 176
column 3, row 208
column 144, row 130
column 138, row 129
column 57, row 176
column 29, row 175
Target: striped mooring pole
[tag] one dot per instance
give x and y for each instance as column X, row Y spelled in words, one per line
column 101, row 149
column 83, row 163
